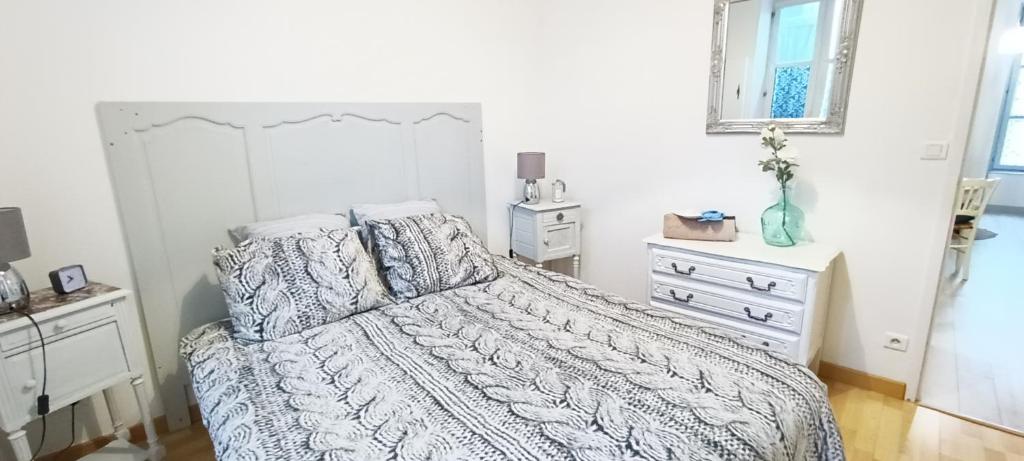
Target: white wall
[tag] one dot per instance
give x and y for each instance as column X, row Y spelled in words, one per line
column 991, row 91
column 625, row 128
column 614, row 91
column 60, row 57
column 1010, row 191
column 989, row 108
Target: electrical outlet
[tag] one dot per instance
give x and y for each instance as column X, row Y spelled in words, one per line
column 896, row 342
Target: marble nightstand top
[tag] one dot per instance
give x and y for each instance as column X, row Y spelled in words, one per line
column 45, row 299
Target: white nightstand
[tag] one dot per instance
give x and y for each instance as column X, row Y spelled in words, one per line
column 547, row 231
column 87, row 335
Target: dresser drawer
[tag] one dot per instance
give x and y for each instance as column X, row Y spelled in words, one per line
column 782, row 345
column 77, row 365
column 745, row 309
column 55, row 327
column 747, row 277
column 774, row 341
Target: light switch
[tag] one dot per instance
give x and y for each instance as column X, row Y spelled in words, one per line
column 935, row 151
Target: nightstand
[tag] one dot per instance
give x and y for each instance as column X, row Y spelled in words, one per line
column 87, row 335
column 547, row 231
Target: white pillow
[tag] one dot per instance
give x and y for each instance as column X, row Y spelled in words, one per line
column 306, row 223
column 360, row 214
column 369, row 212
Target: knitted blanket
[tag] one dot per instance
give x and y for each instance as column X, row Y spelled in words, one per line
column 531, row 366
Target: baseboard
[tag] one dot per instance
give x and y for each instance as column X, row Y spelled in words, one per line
column 857, row 378
column 138, row 435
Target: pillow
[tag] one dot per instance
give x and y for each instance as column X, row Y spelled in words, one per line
column 307, row 223
column 360, row 214
column 275, row 287
column 428, row 253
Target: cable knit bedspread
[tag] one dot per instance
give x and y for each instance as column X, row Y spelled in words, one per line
column 532, row 366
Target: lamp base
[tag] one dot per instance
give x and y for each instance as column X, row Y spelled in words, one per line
column 14, row 292
column 531, row 192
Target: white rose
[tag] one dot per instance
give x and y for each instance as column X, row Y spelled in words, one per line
column 789, row 154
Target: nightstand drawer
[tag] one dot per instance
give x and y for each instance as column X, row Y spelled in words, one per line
column 77, row 366
column 746, row 277
column 705, row 297
column 560, row 216
column 55, row 327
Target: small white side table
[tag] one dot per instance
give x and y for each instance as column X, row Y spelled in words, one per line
column 87, row 335
column 547, row 231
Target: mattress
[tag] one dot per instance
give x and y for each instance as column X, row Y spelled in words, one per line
column 532, row 366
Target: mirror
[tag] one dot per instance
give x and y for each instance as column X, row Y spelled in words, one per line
column 786, row 62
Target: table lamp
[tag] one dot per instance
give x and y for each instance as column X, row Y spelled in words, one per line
column 530, row 166
column 13, row 247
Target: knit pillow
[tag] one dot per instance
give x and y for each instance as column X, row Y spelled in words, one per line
column 428, row 253
column 275, row 287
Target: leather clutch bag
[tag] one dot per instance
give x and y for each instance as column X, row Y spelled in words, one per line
column 693, row 228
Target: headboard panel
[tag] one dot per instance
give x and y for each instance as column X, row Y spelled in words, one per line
column 186, row 172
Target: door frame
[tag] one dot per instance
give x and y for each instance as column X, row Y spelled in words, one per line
column 977, row 57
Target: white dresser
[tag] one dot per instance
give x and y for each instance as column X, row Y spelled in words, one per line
column 547, row 231
column 87, row 336
column 772, row 297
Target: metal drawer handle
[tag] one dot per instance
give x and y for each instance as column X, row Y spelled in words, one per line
column 765, row 344
column 547, row 242
column 682, row 300
column 689, row 271
column 560, row 216
column 766, row 289
column 765, row 319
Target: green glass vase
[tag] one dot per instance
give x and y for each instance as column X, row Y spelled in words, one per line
column 782, row 224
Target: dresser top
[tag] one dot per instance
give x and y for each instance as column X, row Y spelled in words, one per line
column 547, row 205
column 814, row 257
column 46, row 299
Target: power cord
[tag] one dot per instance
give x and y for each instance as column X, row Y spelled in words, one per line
column 512, row 226
column 72, row 442
column 43, row 401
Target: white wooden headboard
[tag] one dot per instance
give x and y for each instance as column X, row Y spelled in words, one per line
column 186, row 172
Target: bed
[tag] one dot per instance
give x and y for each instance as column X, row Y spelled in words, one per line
column 533, row 365
column 519, row 364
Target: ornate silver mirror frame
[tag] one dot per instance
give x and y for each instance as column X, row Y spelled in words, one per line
column 835, row 122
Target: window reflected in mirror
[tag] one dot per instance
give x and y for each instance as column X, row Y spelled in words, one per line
column 779, row 58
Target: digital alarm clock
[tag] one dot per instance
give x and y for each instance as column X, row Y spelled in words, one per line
column 68, row 279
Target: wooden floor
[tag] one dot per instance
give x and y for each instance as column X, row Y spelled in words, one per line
column 973, row 365
column 875, row 427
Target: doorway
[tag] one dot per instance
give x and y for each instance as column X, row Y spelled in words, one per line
column 973, row 364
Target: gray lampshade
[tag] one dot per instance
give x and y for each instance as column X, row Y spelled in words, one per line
column 13, row 241
column 530, row 165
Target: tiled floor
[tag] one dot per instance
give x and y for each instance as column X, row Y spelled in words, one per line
column 975, row 361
